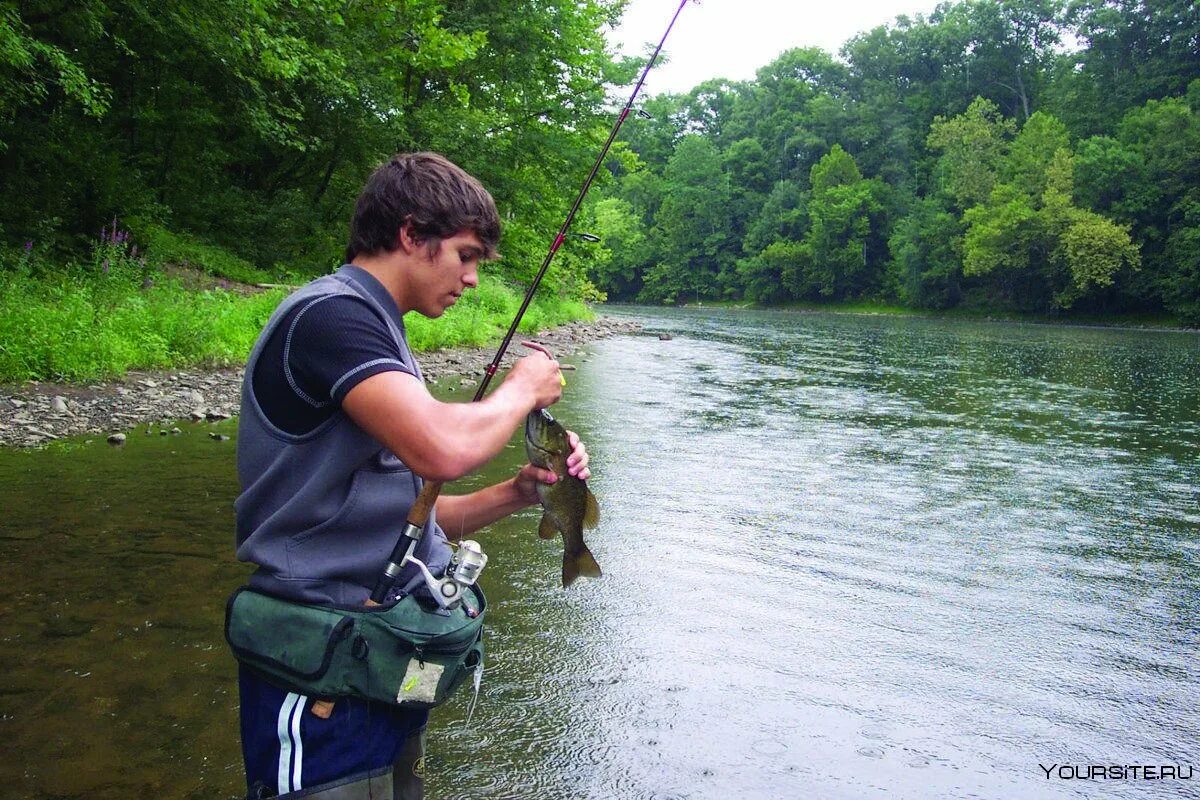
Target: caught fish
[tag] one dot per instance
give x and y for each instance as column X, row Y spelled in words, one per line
column 569, row 506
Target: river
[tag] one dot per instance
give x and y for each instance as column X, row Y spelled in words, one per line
column 845, row 557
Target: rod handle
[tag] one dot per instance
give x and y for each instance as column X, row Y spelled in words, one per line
column 422, row 507
column 418, row 515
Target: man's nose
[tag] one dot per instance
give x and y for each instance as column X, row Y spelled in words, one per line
column 471, row 278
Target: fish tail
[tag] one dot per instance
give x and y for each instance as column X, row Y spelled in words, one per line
column 582, row 563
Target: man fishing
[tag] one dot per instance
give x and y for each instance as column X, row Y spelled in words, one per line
column 337, row 432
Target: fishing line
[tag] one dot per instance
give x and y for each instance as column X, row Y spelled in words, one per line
column 418, row 515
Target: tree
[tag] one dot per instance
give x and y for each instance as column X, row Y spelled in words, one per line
column 792, row 110
column 1133, row 51
column 972, row 146
column 617, row 267
column 840, row 213
column 926, row 248
column 697, row 255
column 1012, row 45
column 1043, row 250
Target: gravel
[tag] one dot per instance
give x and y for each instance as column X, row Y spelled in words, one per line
column 34, row 413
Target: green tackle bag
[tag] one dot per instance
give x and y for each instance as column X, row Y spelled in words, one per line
column 406, row 654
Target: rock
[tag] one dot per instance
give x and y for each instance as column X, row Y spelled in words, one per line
column 664, row 337
column 196, row 399
column 59, row 404
column 175, row 431
column 149, row 384
column 197, row 415
column 17, row 403
column 215, row 415
column 162, row 432
column 220, row 437
column 117, row 438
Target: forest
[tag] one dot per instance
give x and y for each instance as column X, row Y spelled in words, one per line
column 139, row 139
column 1030, row 156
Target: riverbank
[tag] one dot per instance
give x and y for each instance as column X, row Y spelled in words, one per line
column 1130, row 321
column 158, row 402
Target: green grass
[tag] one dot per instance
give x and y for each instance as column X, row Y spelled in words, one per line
column 483, row 315
column 164, row 247
column 75, row 327
column 116, row 312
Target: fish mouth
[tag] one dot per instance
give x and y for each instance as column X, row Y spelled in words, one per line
column 538, row 422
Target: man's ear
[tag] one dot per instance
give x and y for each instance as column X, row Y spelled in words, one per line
column 405, row 239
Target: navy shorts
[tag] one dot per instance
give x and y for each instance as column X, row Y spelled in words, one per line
column 287, row 748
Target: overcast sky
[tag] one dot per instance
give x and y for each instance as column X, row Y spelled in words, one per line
column 733, row 38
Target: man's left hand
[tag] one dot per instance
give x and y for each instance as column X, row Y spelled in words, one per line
column 530, row 476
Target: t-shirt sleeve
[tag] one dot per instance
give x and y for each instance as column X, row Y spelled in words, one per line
column 334, row 343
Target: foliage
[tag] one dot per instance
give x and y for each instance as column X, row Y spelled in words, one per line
column 696, row 253
column 1037, row 155
column 251, row 127
column 164, row 247
column 103, row 317
column 972, row 145
column 840, row 211
column 483, row 314
column 971, row 156
column 926, row 248
column 112, row 313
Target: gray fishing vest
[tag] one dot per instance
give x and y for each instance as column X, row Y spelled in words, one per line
column 320, row 513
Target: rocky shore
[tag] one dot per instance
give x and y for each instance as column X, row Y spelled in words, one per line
column 32, row 414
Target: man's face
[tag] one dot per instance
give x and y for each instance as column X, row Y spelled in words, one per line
column 442, row 277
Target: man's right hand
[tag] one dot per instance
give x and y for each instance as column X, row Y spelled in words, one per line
column 539, row 377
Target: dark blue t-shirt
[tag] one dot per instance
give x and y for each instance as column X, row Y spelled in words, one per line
column 322, row 349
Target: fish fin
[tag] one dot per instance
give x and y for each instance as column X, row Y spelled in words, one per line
column 547, row 528
column 591, row 511
column 584, row 563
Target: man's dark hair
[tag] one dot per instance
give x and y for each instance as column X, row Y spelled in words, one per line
column 431, row 193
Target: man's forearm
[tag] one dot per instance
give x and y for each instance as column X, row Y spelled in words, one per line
column 477, row 432
column 461, row 515
column 439, row 441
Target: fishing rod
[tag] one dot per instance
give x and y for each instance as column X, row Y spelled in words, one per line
column 448, row 591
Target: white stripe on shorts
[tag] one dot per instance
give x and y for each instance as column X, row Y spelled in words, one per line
column 282, row 725
column 298, row 742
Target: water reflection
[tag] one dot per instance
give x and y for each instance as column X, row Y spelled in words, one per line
column 845, row 557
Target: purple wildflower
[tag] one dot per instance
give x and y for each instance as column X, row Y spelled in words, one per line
column 104, row 266
column 28, row 245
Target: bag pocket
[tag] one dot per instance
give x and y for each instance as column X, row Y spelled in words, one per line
column 291, row 641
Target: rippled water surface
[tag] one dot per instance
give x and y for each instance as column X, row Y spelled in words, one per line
column 844, row 557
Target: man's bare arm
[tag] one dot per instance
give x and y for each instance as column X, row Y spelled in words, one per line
column 444, row 441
